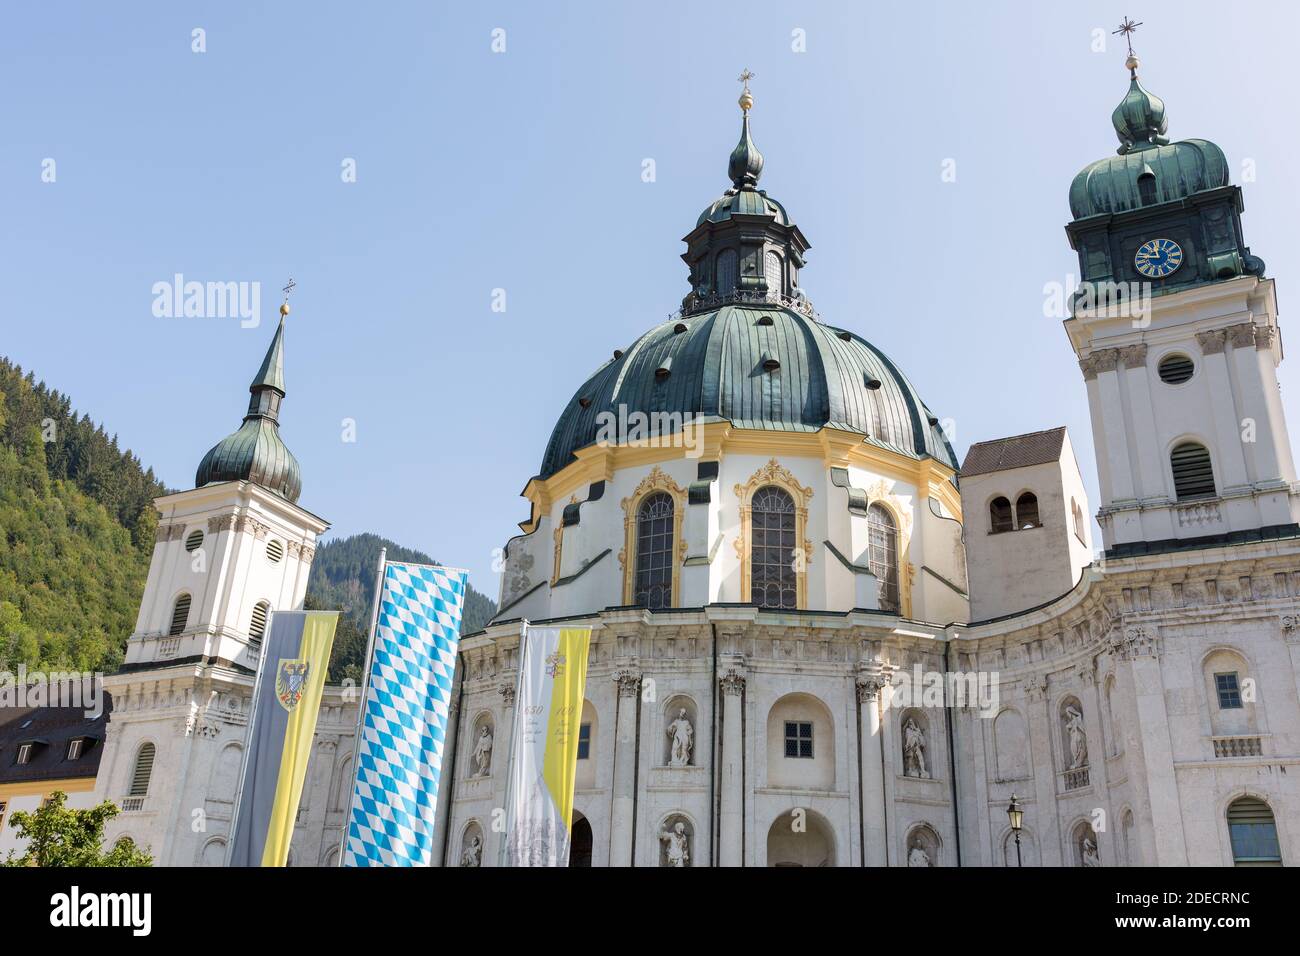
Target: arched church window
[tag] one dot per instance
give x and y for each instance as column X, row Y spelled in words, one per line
column 772, row 273
column 1193, row 473
column 180, row 615
column 1027, row 511
column 727, row 267
column 142, row 771
column 1253, row 833
column 654, row 552
column 1000, row 515
column 882, row 541
column 257, row 627
column 772, row 575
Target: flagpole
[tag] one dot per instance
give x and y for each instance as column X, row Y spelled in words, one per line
column 514, row 726
column 361, row 702
column 248, row 736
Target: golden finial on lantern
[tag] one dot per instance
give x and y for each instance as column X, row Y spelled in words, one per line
column 746, row 98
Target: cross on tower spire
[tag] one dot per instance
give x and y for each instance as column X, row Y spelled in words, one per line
column 1127, row 28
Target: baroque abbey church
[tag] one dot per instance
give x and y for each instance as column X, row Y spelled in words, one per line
column 767, row 603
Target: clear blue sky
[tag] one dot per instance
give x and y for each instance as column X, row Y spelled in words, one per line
column 522, row 171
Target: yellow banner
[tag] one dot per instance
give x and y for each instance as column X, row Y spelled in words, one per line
column 560, row 765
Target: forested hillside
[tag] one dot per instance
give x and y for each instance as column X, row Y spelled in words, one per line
column 76, row 532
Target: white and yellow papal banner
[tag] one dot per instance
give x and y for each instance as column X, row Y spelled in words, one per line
column 544, row 745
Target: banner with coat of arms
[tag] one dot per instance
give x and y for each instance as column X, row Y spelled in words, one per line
column 286, row 701
column 544, row 745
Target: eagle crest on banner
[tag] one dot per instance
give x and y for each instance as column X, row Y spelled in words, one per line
column 290, row 682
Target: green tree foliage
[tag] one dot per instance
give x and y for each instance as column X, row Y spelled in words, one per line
column 343, row 577
column 57, row 835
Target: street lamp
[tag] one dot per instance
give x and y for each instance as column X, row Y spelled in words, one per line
column 1016, row 814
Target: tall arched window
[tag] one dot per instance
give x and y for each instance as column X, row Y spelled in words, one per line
column 726, row 270
column 1193, row 473
column 257, row 626
column 142, row 771
column 1027, row 511
column 772, row 273
column 1253, row 833
column 180, row 615
column 1000, row 515
column 654, row 552
column 772, row 574
column 882, row 539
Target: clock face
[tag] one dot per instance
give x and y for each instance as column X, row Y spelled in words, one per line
column 1157, row 258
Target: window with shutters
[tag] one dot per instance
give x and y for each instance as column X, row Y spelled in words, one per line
column 772, row 574
column 257, row 627
column 882, row 541
column 1000, row 518
column 1193, row 473
column 142, row 771
column 1175, row 369
column 180, row 615
column 654, row 552
column 1253, row 833
column 1027, row 511
column 194, row 540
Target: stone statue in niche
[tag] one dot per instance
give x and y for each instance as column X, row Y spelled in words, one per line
column 914, row 750
column 1077, row 736
column 1089, row 850
column 681, row 732
column 483, row 752
column 677, row 844
column 472, row 855
column 917, row 856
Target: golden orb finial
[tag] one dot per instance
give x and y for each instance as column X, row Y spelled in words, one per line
column 746, row 100
column 284, row 308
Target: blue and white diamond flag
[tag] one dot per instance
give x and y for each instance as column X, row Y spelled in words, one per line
column 404, row 717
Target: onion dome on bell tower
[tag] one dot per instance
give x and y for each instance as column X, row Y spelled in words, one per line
column 1157, row 212
column 255, row 452
column 744, row 248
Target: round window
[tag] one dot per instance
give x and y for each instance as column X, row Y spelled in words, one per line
column 194, row 540
column 1175, row 369
column 274, row 551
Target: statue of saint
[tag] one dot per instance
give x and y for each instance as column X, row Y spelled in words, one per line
column 472, row 854
column 917, row 856
column 677, row 844
column 1090, row 857
column 483, row 752
column 914, row 750
column 1078, row 738
column 681, row 732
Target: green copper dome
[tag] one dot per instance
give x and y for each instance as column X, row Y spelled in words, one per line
column 256, row 452
column 1149, row 169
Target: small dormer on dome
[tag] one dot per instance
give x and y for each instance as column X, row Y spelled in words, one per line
column 255, row 452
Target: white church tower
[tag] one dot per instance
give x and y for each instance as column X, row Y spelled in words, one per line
column 229, row 551
column 1175, row 326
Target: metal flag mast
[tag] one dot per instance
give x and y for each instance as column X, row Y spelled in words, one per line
column 248, row 737
column 361, row 701
column 510, row 754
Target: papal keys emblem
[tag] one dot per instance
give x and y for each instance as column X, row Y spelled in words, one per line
column 290, row 682
column 555, row 664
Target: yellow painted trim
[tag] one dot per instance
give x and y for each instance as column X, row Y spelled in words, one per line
column 653, row 483
column 832, row 446
column 773, row 473
column 43, row 788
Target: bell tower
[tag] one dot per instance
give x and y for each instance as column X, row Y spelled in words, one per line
column 1175, row 327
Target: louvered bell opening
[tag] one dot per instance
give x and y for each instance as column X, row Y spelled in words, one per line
column 274, row 551
column 665, row 368
column 193, row 540
column 180, row 615
column 770, row 363
column 143, row 771
column 1175, row 369
column 257, row 627
column 764, row 320
column 1193, row 473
